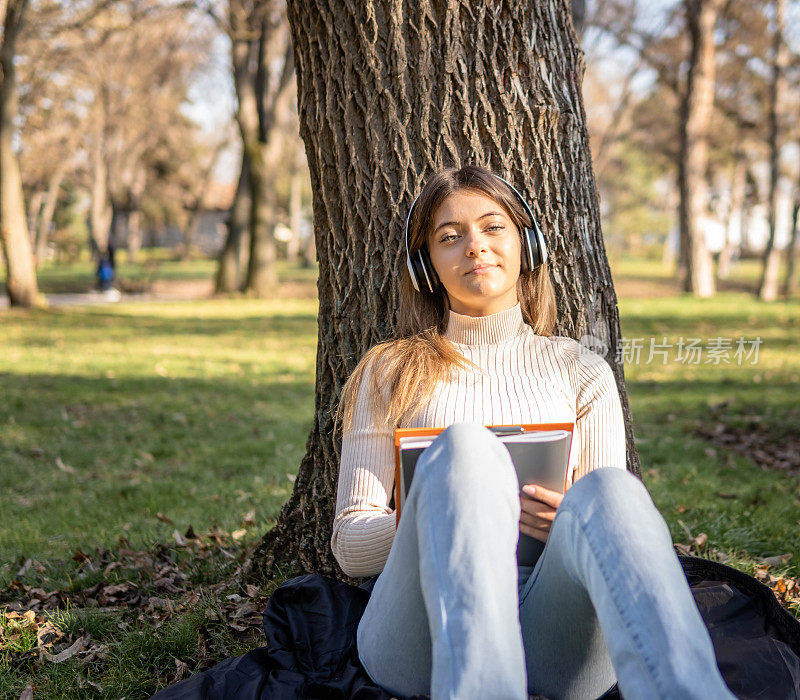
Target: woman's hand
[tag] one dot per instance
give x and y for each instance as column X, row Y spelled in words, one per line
column 539, row 507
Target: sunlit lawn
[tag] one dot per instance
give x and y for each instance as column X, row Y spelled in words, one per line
column 197, row 411
column 115, row 419
column 742, row 508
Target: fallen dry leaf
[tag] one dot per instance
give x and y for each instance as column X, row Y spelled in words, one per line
column 80, row 556
column 68, row 653
column 64, row 467
column 27, row 694
column 757, row 440
column 180, row 669
column 776, row 560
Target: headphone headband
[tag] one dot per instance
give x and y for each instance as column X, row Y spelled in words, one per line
column 532, row 240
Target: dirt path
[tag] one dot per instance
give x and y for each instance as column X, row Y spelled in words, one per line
column 162, row 290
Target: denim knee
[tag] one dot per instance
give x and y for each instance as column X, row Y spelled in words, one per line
column 469, row 452
column 613, row 493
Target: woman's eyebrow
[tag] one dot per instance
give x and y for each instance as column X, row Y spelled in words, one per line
column 456, row 223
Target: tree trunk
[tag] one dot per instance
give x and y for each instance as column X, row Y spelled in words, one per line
column 190, row 235
column 295, row 216
column 386, row 100
column 133, row 219
column 789, row 286
column 751, row 197
column 261, row 144
column 735, row 218
column 21, row 285
column 45, row 220
column 768, row 284
column 35, row 203
column 310, row 252
column 100, row 214
column 261, row 279
column 696, row 268
column 134, row 234
column 228, row 272
column 198, row 207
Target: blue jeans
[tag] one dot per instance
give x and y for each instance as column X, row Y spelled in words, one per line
column 452, row 615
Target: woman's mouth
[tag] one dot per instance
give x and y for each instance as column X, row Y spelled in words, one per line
column 480, row 269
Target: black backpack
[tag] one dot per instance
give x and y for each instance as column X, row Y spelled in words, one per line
column 310, row 625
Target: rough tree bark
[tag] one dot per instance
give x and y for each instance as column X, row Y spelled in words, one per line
column 696, row 270
column 388, row 95
column 21, row 285
column 768, row 284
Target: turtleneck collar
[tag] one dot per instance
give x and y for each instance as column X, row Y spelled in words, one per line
column 485, row 330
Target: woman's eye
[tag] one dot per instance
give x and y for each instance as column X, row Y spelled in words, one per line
column 496, row 227
column 448, row 237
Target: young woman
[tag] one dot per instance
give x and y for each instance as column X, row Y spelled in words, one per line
column 452, row 614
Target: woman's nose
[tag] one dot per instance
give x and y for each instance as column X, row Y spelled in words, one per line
column 475, row 243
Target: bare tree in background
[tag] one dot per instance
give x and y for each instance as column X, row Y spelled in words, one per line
column 263, row 76
column 21, row 284
column 693, row 94
column 768, row 283
column 137, row 123
column 696, row 270
column 386, row 98
column 195, row 208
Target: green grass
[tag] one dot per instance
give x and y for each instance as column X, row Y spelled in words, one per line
column 757, row 515
column 117, row 417
column 110, row 415
column 151, row 266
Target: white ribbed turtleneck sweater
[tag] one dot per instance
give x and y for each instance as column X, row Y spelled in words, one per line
column 526, row 378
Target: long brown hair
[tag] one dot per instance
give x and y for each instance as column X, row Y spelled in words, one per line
column 411, row 365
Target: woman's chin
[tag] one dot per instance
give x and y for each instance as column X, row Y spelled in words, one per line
column 481, row 287
column 481, row 297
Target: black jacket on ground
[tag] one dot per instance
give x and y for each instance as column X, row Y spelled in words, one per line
column 310, row 623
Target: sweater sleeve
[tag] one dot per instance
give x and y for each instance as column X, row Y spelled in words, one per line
column 599, row 425
column 364, row 525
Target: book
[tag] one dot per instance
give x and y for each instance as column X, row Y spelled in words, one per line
column 540, row 453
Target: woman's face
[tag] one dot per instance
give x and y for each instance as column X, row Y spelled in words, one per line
column 475, row 249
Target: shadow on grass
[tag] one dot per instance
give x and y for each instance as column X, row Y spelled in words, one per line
column 127, row 325
column 86, row 460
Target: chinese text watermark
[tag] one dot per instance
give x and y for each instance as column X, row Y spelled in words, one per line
column 687, row 351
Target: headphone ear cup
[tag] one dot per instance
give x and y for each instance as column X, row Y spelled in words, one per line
column 535, row 250
column 541, row 246
column 429, row 278
column 528, row 250
column 534, row 254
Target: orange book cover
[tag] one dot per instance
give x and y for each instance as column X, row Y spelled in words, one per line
column 424, row 432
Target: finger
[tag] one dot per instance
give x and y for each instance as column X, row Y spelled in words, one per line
column 540, row 493
column 534, row 532
column 533, row 521
column 548, row 515
column 538, row 508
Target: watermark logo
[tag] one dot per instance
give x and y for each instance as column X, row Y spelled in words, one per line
column 689, row 351
column 591, row 347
